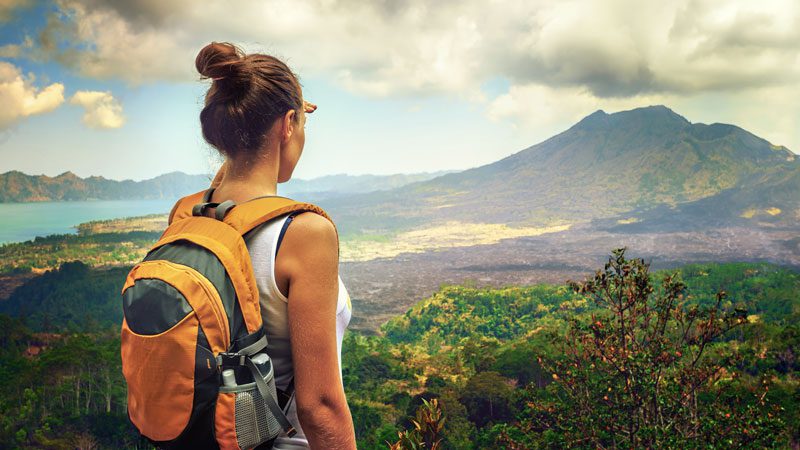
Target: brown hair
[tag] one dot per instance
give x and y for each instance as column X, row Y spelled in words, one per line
column 248, row 93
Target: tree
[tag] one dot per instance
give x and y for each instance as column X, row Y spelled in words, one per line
column 488, row 398
column 640, row 372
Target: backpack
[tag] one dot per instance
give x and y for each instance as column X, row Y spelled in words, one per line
column 192, row 338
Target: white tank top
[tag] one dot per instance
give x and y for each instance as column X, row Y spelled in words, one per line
column 262, row 244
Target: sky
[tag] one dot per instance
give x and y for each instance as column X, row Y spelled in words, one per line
column 109, row 88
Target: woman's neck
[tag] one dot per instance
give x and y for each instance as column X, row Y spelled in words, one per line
column 245, row 180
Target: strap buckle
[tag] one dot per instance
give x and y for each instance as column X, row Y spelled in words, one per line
column 221, row 208
column 199, row 209
column 230, row 360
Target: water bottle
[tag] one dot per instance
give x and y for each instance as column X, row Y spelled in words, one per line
column 229, row 378
column 262, row 361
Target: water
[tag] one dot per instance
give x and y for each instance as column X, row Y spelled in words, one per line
column 24, row 221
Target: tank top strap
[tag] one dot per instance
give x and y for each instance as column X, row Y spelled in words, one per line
column 263, row 242
column 286, row 221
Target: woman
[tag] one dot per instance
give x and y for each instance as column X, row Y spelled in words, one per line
column 255, row 115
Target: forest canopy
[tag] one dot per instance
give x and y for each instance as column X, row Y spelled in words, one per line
column 497, row 362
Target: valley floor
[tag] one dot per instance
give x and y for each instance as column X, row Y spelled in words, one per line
column 385, row 287
column 385, row 275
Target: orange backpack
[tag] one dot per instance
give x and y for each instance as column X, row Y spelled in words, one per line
column 193, row 343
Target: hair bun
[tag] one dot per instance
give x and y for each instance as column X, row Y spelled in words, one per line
column 223, row 62
column 249, row 94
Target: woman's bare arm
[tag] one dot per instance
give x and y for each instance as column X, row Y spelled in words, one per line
column 309, row 258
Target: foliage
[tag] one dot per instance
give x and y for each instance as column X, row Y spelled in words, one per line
column 99, row 249
column 428, row 425
column 72, row 298
column 475, row 351
column 72, row 394
column 488, row 398
column 646, row 371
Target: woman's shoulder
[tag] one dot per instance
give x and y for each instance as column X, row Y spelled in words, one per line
column 311, row 237
column 314, row 228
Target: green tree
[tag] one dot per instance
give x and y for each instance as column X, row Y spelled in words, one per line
column 645, row 370
column 488, row 398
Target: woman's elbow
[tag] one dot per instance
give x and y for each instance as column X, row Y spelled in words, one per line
column 322, row 409
column 327, row 423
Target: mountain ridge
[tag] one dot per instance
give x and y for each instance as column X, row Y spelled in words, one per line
column 17, row 186
column 602, row 166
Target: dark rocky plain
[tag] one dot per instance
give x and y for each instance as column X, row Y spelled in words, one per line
column 386, row 287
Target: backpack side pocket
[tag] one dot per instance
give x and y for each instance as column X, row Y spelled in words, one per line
column 159, row 370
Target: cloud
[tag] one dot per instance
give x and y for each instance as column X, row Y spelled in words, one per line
column 142, row 13
column 102, row 109
column 574, row 54
column 612, row 48
column 8, row 7
column 16, row 50
column 550, row 110
column 101, row 44
column 21, row 99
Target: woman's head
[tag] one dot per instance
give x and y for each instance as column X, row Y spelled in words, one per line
column 253, row 98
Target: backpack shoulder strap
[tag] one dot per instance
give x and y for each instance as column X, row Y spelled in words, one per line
column 183, row 207
column 246, row 216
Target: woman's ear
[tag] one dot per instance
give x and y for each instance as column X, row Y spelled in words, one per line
column 288, row 125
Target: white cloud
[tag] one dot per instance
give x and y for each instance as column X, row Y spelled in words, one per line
column 20, row 99
column 102, row 109
column 538, row 105
column 118, row 48
column 596, row 53
column 614, row 48
column 546, row 111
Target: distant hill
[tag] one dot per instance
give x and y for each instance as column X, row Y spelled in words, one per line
column 16, row 186
column 770, row 200
column 603, row 166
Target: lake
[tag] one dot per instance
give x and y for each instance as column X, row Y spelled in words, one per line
column 24, row 221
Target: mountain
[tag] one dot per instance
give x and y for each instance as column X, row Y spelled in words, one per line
column 649, row 167
column 771, row 200
column 603, row 166
column 16, row 186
